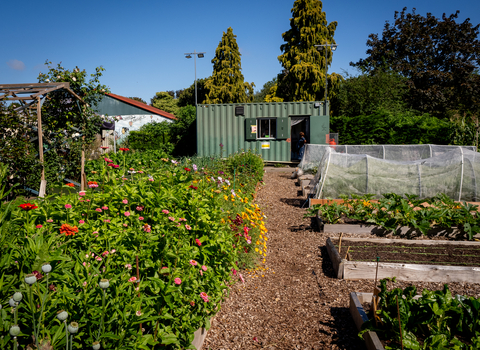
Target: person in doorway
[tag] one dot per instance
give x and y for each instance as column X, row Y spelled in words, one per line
column 301, row 145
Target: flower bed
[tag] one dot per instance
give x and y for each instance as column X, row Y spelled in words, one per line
column 143, row 257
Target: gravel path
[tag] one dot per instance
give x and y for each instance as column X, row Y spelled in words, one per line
column 296, row 303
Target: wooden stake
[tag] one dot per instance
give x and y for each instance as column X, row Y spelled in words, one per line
column 346, row 255
column 399, row 322
column 376, row 274
column 138, row 284
column 340, row 243
column 43, row 183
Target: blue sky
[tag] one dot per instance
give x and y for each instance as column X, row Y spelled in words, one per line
column 142, row 44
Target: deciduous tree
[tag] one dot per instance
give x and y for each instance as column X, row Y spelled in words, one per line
column 227, row 85
column 303, row 78
column 438, row 56
column 164, row 101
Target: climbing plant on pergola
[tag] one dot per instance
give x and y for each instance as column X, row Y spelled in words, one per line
column 28, row 100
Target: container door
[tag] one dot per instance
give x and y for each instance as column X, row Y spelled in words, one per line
column 250, row 129
column 283, row 128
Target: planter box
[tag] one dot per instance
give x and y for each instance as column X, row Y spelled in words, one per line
column 360, row 316
column 355, row 270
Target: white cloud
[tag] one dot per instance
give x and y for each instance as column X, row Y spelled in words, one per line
column 16, row 64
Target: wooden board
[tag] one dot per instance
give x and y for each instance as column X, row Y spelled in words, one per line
column 356, row 270
column 359, row 317
column 409, row 241
column 314, row 201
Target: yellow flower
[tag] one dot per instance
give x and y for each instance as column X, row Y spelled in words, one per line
column 256, row 249
column 225, row 197
column 258, row 242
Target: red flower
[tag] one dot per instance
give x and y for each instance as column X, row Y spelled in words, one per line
column 198, row 242
column 70, row 184
column 187, row 169
column 194, row 187
column 27, row 206
column 68, row 230
column 124, row 149
column 38, row 275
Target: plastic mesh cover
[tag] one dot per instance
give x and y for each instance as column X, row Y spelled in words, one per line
column 452, row 170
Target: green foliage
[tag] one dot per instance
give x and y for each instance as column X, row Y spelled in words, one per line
column 249, row 162
column 184, row 131
column 438, row 56
column 303, row 78
column 138, row 99
column 151, row 136
column 261, row 95
column 187, row 98
column 366, row 94
column 164, row 101
column 385, row 127
column 227, row 85
column 436, row 320
column 394, row 211
column 176, row 220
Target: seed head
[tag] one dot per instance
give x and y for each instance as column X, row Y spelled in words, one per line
column 18, row 297
column 62, row 315
column 104, row 284
column 96, row 345
column 73, row 327
column 30, row 279
column 12, row 302
column 14, row 330
column 46, row 268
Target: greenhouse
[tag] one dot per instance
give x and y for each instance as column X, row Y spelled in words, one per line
column 422, row 170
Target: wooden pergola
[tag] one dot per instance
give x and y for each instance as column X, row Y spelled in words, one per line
column 31, row 97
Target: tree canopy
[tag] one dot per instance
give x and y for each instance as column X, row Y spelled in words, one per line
column 438, row 56
column 163, row 100
column 303, row 78
column 227, row 85
column 187, row 97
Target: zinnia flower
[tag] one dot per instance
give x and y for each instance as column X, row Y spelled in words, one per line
column 193, row 187
column 139, row 208
column 187, row 169
column 138, row 313
column 178, row 281
column 70, row 184
column 108, row 160
column 198, row 242
column 68, row 230
column 39, row 226
column 204, row 296
column 171, row 218
column 188, row 227
column 81, row 222
column 125, row 201
column 92, row 184
column 127, row 213
column 124, row 149
column 193, row 262
column 132, row 279
column 140, row 218
column 50, row 220
column 68, row 206
column 194, row 167
column 204, row 268
column 165, row 211
column 27, row 206
column 147, row 228
column 82, row 193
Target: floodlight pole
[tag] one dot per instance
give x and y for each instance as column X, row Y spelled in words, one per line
column 200, row 55
column 333, row 48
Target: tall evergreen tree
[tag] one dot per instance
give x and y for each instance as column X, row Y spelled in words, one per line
column 226, row 85
column 303, row 78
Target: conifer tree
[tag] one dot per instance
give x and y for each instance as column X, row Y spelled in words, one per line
column 226, row 85
column 303, row 78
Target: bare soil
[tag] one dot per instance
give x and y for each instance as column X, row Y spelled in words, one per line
column 454, row 255
column 297, row 303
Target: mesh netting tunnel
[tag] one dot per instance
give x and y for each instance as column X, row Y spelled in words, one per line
column 422, row 170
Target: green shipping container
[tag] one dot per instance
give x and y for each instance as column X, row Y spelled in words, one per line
column 271, row 129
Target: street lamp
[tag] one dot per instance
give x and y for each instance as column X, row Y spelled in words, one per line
column 200, row 55
column 333, row 47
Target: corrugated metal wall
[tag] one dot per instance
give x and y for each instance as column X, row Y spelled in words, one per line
column 217, row 124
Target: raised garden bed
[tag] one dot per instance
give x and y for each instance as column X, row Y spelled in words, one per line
column 407, row 260
column 360, row 316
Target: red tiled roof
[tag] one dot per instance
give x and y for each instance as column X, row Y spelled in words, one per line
column 143, row 106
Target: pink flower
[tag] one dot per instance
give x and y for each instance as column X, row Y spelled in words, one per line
column 193, row 262
column 68, row 206
column 39, row 226
column 147, row 228
column 98, row 258
column 198, row 242
column 125, row 201
column 108, row 160
column 241, row 278
column 82, row 193
column 85, row 283
column 201, row 273
column 106, row 220
column 204, row 268
column 204, row 296
column 49, row 220
column 234, row 272
column 125, row 225
column 188, row 227
column 99, row 210
column 171, row 218
column 38, row 275
column 105, row 208
column 150, row 179
column 127, row 213
column 88, row 200
column 192, row 303
column 177, row 281
column 138, row 313
column 84, row 263
column 81, row 222
column 139, row 208
column 182, row 219
column 128, row 266
column 105, row 253
column 95, row 232
column 165, row 211
column 132, row 279
column 140, row 218
column 113, row 251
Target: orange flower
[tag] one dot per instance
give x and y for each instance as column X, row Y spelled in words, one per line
column 70, row 184
column 68, row 230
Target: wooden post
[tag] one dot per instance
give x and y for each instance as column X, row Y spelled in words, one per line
column 82, row 165
column 43, row 182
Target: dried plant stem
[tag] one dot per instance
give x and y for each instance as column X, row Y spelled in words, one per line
column 340, row 243
column 399, row 322
column 346, row 255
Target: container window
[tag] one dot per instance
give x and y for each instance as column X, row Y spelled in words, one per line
column 266, row 128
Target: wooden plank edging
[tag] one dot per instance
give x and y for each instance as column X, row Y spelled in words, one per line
column 359, row 317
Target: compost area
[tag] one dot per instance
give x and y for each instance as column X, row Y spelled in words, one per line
column 296, row 301
column 454, row 255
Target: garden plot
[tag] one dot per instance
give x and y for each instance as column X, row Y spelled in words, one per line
column 407, row 260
